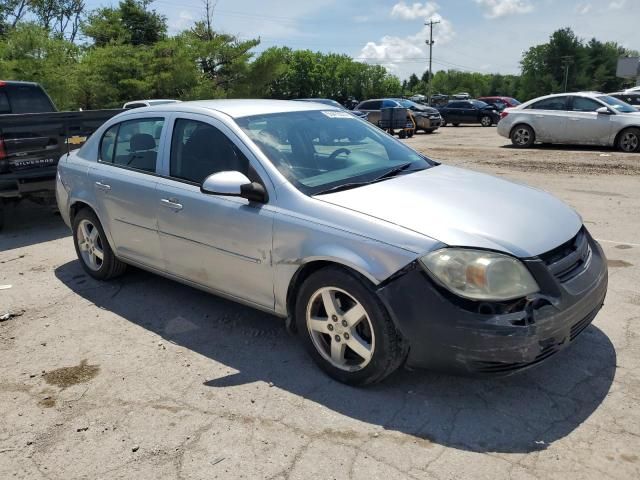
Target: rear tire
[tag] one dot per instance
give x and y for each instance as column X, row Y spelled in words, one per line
column 522, row 136
column 346, row 329
column 93, row 249
column 430, row 130
column 486, row 121
column 456, row 124
column 629, row 140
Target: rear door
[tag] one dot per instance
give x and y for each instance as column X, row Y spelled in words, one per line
column 585, row 126
column 125, row 180
column 548, row 117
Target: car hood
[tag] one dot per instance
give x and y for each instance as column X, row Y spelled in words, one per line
column 463, row 208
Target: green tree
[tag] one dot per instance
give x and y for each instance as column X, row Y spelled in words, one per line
column 130, row 23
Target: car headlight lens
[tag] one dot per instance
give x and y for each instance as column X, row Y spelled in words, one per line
column 480, row 275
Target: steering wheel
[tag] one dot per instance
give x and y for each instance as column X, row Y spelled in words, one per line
column 338, row 152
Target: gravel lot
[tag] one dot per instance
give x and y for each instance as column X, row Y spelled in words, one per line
column 145, row 378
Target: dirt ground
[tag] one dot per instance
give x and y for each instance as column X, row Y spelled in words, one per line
column 145, row 378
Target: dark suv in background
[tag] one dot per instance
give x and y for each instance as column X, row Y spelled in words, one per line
column 427, row 119
column 469, row 111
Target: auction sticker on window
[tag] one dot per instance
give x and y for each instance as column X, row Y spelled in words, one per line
column 336, row 114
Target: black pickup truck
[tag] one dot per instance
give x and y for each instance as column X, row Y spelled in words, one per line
column 33, row 136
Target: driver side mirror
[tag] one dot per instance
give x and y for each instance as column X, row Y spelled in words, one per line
column 234, row 184
column 603, row 111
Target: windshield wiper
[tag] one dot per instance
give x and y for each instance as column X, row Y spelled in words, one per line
column 388, row 174
column 393, row 172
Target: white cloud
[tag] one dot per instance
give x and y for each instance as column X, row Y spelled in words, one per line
column 617, row 4
column 583, row 8
column 501, row 8
column 414, row 11
column 183, row 20
column 407, row 54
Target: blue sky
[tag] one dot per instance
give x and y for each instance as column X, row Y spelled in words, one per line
column 477, row 35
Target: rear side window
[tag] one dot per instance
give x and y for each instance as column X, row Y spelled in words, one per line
column 390, row 104
column 199, row 150
column 132, row 144
column 4, row 103
column 554, row 103
column 457, row 105
column 28, row 99
column 135, row 105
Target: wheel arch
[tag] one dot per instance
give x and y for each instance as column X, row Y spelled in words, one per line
column 78, row 204
column 617, row 136
column 313, row 265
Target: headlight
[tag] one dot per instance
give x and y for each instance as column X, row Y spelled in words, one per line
column 480, row 275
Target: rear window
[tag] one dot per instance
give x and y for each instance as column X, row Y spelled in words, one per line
column 28, row 99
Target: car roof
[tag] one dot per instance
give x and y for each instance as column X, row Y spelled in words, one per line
column 242, row 108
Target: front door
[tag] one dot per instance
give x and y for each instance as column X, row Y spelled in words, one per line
column 585, row 125
column 125, row 188
column 220, row 242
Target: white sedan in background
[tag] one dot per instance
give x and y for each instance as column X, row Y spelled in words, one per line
column 584, row 118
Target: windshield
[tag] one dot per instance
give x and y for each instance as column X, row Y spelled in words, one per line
column 319, row 151
column 618, row 105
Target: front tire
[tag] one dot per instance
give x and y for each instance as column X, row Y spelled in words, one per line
column 346, row 328
column 629, row 140
column 522, row 136
column 92, row 247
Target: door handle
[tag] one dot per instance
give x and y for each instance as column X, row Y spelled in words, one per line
column 103, row 186
column 574, row 119
column 539, row 116
column 171, row 203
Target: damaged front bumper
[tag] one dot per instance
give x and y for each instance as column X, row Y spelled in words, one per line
column 450, row 334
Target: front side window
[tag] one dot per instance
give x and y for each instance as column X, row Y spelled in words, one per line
column 199, row 150
column 132, row 144
column 553, row 103
column 456, row 105
column 318, row 151
column 582, row 104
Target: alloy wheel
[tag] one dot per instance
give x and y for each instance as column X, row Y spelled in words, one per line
column 629, row 142
column 485, row 121
column 340, row 329
column 90, row 245
column 521, row 136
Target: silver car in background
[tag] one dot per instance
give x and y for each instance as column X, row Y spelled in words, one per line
column 584, row 118
column 376, row 254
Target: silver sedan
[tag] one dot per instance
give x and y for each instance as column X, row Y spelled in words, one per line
column 375, row 254
column 585, row 118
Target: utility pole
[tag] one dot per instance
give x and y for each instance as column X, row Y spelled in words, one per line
column 566, row 61
column 430, row 42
